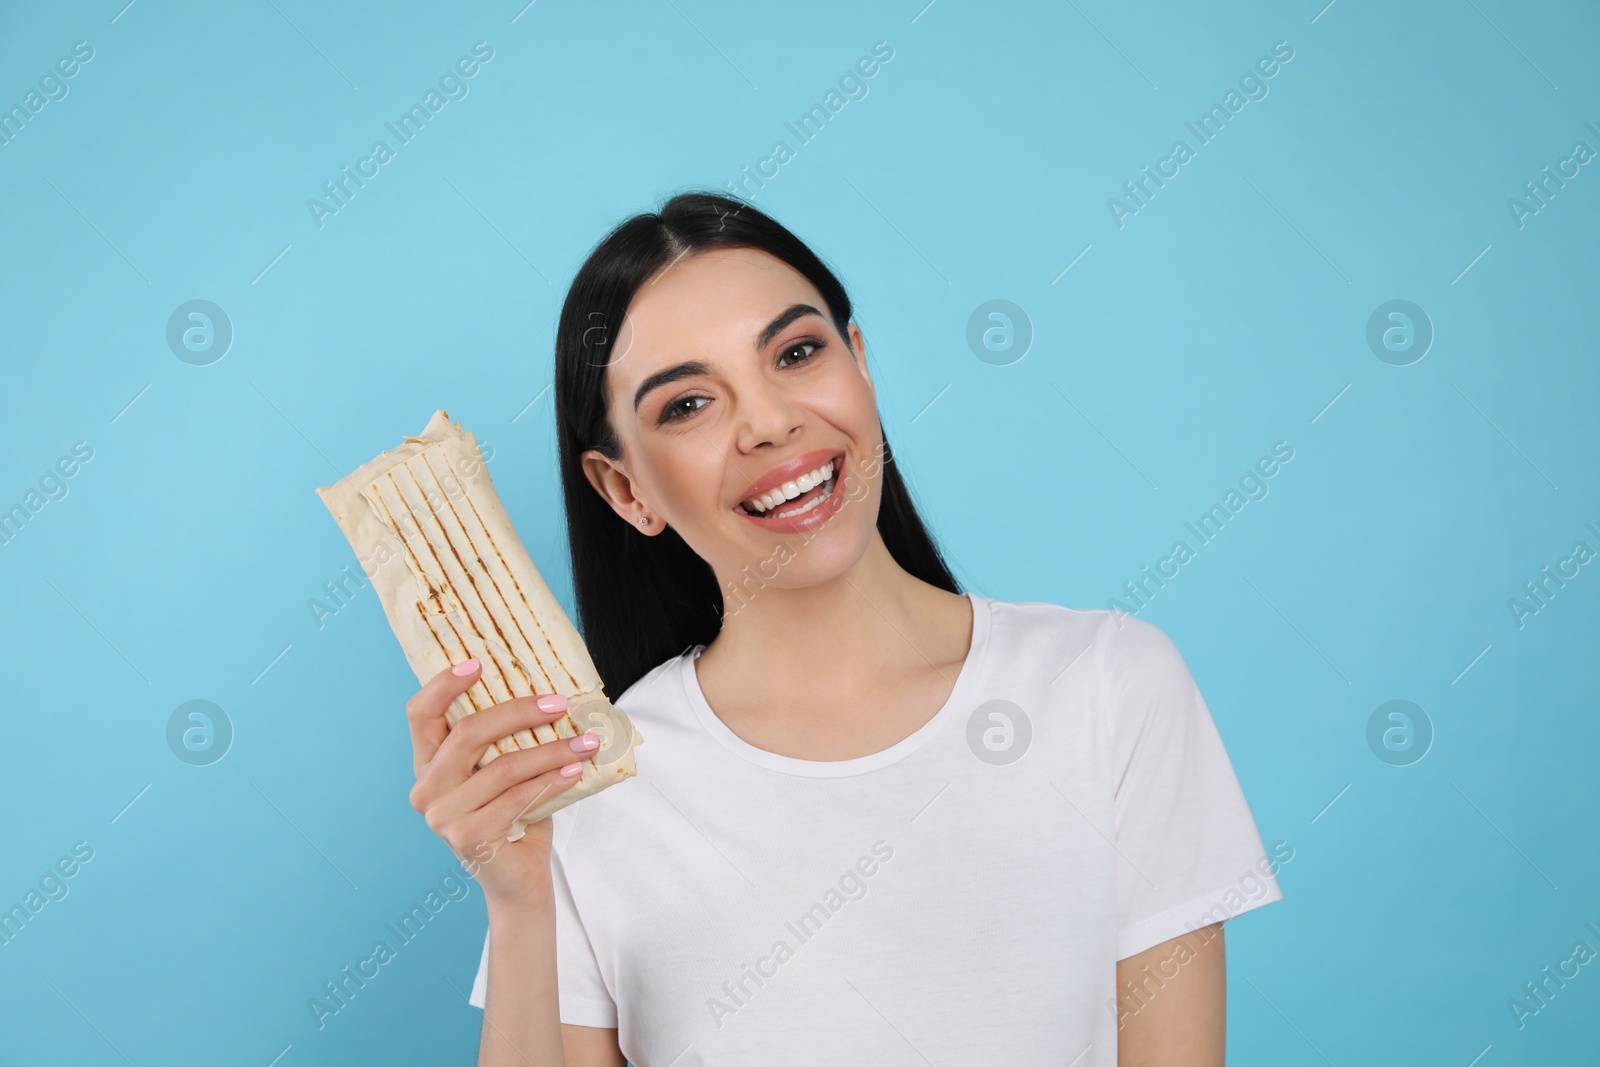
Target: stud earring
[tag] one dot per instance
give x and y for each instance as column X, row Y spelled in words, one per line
column 644, row 520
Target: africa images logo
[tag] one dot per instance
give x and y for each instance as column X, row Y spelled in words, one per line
column 1252, row 84
column 452, row 85
column 850, row 886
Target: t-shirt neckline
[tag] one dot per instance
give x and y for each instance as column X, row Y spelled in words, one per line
column 966, row 681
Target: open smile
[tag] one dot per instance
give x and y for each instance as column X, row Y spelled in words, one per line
column 803, row 502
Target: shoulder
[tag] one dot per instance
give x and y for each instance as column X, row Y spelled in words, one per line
column 1134, row 664
column 1120, row 643
column 648, row 693
column 1133, row 648
column 1023, row 624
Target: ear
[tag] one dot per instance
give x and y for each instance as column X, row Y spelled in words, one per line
column 616, row 488
column 858, row 345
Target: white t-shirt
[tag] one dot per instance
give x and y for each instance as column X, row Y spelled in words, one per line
column 960, row 897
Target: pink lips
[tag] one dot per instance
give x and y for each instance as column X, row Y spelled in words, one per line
column 787, row 472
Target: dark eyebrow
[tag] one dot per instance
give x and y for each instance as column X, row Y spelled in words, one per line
column 695, row 367
column 781, row 323
column 666, row 377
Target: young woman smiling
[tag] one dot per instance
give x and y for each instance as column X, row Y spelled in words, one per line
column 877, row 819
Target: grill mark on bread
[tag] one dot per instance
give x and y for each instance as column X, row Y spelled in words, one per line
column 563, row 727
column 541, row 733
column 472, row 582
column 572, row 678
column 376, row 503
column 493, row 751
column 453, row 540
column 504, row 600
column 422, row 571
column 504, row 745
column 524, row 737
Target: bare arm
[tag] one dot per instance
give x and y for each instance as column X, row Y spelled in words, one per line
column 521, row 1022
column 1172, row 1003
column 472, row 809
column 590, row 1046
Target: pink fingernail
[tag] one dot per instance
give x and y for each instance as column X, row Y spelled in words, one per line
column 464, row 668
column 572, row 770
column 552, row 702
column 584, row 742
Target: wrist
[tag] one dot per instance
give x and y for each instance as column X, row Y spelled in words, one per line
column 517, row 909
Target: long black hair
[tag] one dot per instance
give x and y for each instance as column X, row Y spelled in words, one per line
column 644, row 599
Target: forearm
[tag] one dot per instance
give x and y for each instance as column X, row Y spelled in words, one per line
column 521, row 1019
column 1172, row 1003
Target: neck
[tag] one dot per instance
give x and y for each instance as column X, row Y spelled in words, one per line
column 783, row 639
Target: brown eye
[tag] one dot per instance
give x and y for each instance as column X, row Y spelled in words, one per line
column 818, row 345
column 675, row 410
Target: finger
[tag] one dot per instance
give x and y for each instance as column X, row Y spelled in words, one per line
column 472, row 735
column 509, row 771
column 493, row 821
column 425, row 710
column 457, row 757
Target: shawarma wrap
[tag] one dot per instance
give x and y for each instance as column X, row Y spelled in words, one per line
column 455, row 582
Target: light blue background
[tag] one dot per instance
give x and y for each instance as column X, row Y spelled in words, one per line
column 1225, row 316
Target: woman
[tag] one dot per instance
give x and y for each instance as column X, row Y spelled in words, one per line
column 876, row 819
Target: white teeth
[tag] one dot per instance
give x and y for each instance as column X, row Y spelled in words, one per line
column 789, row 490
column 807, row 506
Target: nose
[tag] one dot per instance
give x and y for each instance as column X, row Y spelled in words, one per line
column 766, row 414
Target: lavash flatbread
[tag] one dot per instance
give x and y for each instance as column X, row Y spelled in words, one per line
column 455, row 582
